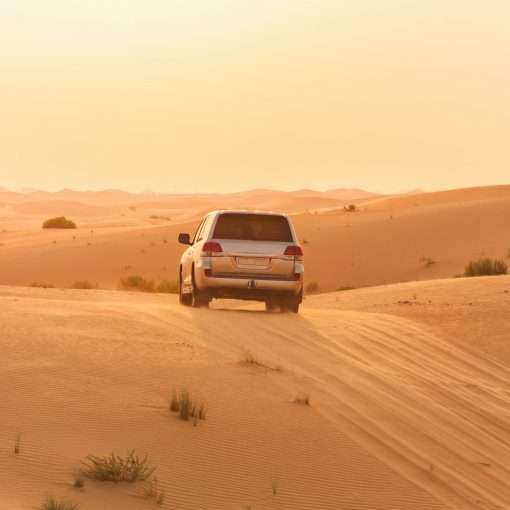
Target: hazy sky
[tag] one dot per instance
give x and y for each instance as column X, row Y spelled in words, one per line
column 221, row 95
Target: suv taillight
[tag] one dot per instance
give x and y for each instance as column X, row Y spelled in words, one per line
column 211, row 247
column 294, row 251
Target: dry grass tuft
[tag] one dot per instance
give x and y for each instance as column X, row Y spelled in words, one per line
column 250, row 359
column 114, row 468
column 427, row 261
column 141, row 284
column 168, row 287
column 202, row 411
column 52, row 503
column 84, row 284
column 136, row 282
column 42, row 285
column 303, row 399
column 486, row 267
column 154, row 492
column 160, row 217
column 174, row 403
column 183, row 404
column 17, row 445
column 79, row 482
column 312, row 288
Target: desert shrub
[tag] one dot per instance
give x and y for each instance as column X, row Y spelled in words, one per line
column 485, row 267
column 42, row 285
column 350, row 208
column 312, row 288
column 168, row 287
column 114, row 468
column 137, row 282
column 183, row 404
column 153, row 491
column 84, row 284
column 59, row 222
column 52, row 503
column 427, row 261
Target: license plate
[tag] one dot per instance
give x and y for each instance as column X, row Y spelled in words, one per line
column 252, row 261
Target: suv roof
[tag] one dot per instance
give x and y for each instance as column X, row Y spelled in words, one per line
column 247, row 211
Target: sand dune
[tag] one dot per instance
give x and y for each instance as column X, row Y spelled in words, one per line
column 10, row 197
column 117, row 198
column 259, row 199
column 439, row 198
column 370, row 247
column 110, row 197
column 409, row 382
column 62, row 208
column 474, row 319
column 360, row 249
column 404, row 414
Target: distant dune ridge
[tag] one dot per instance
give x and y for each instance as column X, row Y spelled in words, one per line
column 119, row 197
column 49, row 207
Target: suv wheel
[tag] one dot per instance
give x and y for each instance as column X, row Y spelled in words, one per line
column 292, row 307
column 184, row 299
column 198, row 299
column 291, row 303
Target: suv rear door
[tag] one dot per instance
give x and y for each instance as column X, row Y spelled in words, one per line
column 253, row 246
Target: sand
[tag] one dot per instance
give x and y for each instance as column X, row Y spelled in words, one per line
column 404, row 413
column 421, row 236
column 409, row 382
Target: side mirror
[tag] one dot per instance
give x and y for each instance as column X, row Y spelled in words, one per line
column 184, row 239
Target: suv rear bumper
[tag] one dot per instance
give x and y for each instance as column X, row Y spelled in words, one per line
column 241, row 287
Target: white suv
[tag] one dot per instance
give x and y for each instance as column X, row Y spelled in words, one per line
column 243, row 255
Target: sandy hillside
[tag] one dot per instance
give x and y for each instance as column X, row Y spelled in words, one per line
column 121, row 233
column 439, row 198
column 472, row 312
column 415, row 237
column 419, row 237
column 410, row 408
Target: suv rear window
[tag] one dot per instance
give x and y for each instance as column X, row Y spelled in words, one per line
column 253, row 227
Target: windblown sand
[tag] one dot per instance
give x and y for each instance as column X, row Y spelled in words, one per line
column 409, row 382
column 409, row 386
